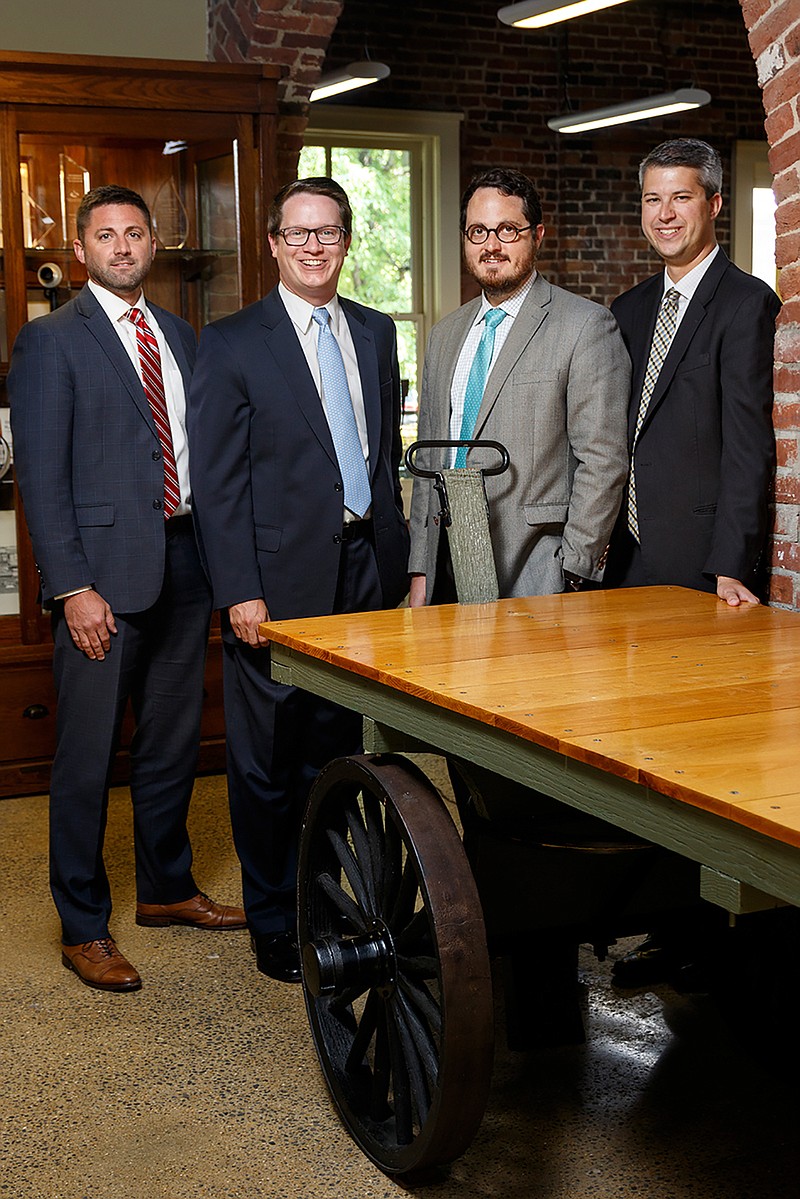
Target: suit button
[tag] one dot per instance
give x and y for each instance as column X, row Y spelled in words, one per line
column 337, row 537
column 156, row 455
column 157, row 505
column 338, row 487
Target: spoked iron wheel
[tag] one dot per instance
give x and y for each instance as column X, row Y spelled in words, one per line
column 395, row 965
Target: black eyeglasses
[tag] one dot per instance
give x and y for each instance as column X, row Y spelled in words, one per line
column 326, row 235
column 506, row 232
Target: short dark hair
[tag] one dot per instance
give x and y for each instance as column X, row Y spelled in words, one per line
column 317, row 185
column 109, row 193
column 509, row 183
column 687, row 152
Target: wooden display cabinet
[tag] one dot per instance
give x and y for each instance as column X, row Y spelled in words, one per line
column 197, row 140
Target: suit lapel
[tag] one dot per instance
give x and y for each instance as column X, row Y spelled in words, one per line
column 100, row 327
column 172, row 337
column 287, row 353
column 525, row 326
column 692, row 320
column 367, row 356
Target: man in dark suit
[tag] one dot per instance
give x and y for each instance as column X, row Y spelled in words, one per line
column 294, row 434
column 98, row 408
column 700, row 335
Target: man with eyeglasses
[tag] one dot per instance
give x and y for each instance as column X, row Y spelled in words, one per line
column 545, row 373
column 294, row 427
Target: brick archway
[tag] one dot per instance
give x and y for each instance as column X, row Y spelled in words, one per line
column 773, row 28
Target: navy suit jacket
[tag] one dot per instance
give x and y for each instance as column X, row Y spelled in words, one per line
column 705, row 455
column 87, row 454
column 266, row 484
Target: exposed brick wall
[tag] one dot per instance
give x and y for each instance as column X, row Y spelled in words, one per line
column 292, row 33
column 774, row 33
column 507, row 82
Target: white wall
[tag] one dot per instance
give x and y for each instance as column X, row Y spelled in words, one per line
column 121, row 28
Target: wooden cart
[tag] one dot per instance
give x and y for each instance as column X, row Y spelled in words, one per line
column 658, row 711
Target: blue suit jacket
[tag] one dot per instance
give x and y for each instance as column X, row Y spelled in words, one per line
column 706, row 451
column 266, row 485
column 87, row 455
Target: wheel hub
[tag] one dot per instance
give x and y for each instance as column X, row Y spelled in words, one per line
column 333, row 964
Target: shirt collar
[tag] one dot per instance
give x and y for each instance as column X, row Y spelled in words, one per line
column 301, row 311
column 690, row 282
column 114, row 308
column 511, row 305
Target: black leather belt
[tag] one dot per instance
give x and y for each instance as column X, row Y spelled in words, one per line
column 355, row 529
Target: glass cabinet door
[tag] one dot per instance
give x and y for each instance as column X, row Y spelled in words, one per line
column 9, row 586
column 190, row 188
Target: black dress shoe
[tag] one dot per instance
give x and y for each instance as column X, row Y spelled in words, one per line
column 653, row 961
column 277, row 955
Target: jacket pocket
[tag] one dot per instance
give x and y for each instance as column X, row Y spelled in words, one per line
column 94, row 514
column 268, row 538
column 546, row 514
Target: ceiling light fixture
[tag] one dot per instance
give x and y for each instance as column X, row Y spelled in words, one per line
column 635, row 110
column 535, row 14
column 355, row 74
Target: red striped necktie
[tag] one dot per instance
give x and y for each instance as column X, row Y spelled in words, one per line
column 153, row 383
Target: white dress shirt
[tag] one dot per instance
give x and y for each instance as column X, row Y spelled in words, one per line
column 300, row 312
column 458, row 389
column 688, row 285
column 116, row 310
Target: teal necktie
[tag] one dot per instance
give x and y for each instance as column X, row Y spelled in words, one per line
column 476, row 383
column 341, row 418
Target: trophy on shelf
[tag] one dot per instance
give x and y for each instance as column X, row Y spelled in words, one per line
column 74, row 183
column 36, row 223
column 170, row 218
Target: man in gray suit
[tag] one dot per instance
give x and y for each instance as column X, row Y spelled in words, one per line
column 553, row 389
column 98, row 399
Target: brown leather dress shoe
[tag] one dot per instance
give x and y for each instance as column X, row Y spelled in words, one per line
column 197, row 912
column 100, row 964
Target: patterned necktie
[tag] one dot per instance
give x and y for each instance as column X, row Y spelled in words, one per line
column 662, row 340
column 476, row 383
column 153, row 383
column 341, row 418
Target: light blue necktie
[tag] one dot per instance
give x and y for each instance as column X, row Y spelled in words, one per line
column 476, row 383
column 341, row 418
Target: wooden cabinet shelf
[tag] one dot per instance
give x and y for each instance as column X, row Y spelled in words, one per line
column 197, row 140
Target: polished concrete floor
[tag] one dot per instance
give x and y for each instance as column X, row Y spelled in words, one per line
column 204, row 1085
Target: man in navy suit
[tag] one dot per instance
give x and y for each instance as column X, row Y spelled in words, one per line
column 700, row 335
column 98, row 408
column 295, row 520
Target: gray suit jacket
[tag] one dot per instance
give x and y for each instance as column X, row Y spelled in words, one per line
column 557, row 398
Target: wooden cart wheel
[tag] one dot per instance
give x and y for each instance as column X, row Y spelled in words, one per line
column 395, row 966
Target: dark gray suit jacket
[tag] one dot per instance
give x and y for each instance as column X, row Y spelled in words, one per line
column 87, row 453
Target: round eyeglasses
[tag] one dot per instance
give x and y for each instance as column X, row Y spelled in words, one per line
column 506, row 232
column 326, row 235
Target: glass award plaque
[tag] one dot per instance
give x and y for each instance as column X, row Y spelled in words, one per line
column 37, row 224
column 170, row 218
column 74, row 183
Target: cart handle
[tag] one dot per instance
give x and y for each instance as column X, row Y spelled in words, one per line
column 435, row 445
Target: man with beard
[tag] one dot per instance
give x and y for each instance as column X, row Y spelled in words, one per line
column 545, row 373
column 98, row 399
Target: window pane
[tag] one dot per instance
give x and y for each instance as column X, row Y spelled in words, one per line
column 312, row 162
column 377, row 271
column 764, row 235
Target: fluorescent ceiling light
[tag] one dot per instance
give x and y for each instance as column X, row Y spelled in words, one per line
column 636, row 110
column 534, row 14
column 355, row 74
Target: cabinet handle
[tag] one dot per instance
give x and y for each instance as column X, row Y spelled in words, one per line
column 36, row 712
